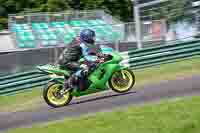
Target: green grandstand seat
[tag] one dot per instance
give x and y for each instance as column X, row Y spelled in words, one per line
column 78, row 23
column 98, row 39
column 73, row 34
column 70, row 30
column 57, row 24
column 20, row 27
column 115, row 36
column 107, row 27
column 43, row 31
column 48, row 36
column 26, row 44
column 96, row 22
column 47, row 43
column 106, row 32
column 100, row 21
column 75, row 23
column 100, row 32
column 92, row 22
column 37, row 26
column 60, row 31
column 69, row 37
column 25, row 36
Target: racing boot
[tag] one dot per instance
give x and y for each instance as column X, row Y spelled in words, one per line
column 69, row 84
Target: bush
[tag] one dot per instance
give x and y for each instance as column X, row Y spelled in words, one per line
column 3, row 23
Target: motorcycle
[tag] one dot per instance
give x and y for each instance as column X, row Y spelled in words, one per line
column 109, row 74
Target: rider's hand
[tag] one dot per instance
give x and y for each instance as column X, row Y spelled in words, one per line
column 100, row 55
column 83, row 66
column 85, row 72
column 99, row 61
column 85, row 69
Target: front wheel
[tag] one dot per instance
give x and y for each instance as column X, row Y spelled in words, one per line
column 52, row 96
column 122, row 81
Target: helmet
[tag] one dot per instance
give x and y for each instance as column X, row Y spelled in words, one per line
column 87, row 36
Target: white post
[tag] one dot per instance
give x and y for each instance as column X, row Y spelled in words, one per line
column 137, row 7
column 117, row 46
column 137, row 22
column 55, row 55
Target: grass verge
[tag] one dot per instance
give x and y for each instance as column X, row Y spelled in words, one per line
column 22, row 101
column 180, row 69
column 33, row 99
column 179, row 116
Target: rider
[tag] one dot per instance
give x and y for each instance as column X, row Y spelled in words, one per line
column 72, row 54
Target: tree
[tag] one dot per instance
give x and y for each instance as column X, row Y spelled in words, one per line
column 3, row 23
column 121, row 9
column 172, row 10
column 2, row 11
column 57, row 5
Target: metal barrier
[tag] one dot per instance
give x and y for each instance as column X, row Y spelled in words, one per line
column 157, row 55
column 136, row 59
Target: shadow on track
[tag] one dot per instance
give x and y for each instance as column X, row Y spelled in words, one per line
column 93, row 99
column 102, row 97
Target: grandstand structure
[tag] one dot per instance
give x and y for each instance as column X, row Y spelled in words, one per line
column 41, row 30
column 39, row 38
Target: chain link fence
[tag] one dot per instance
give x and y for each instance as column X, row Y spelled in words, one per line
column 48, row 17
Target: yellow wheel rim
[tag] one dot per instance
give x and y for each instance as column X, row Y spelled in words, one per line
column 122, row 85
column 53, row 92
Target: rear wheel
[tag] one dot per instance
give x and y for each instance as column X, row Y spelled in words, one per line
column 122, row 81
column 52, row 96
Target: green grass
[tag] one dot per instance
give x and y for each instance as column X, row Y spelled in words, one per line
column 179, row 116
column 21, row 101
column 184, row 68
column 32, row 99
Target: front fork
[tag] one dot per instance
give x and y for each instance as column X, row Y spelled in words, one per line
column 121, row 67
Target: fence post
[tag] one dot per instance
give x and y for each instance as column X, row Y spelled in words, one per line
column 138, row 23
column 117, row 46
column 55, row 55
column 198, row 20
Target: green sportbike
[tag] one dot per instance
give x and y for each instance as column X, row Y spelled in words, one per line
column 110, row 74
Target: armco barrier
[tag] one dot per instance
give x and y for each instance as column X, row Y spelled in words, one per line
column 164, row 61
column 162, row 49
column 153, row 56
column 136, row 59
column 23, row 77
column 167, row 54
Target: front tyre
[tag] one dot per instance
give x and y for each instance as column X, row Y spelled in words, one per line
column 52, row 96
column 122, row 81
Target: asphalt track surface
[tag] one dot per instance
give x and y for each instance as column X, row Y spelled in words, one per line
column 189, row 86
